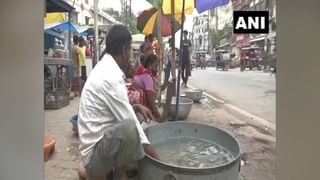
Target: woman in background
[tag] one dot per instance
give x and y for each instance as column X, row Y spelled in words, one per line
column 145, row 80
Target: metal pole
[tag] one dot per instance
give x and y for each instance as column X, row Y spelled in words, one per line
column 96, row 33
column 208, row 31
column 180, row 62
column 69, row 35
column 160, row 54
column 173, row 63
column 70, row 68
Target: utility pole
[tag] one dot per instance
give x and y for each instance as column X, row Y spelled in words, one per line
column 208, row 31
column 217, row 19
column 96, row 33
column 216, row 26
column 126, row 12
column 130, row 15
column 266, row 59
column 123, row 11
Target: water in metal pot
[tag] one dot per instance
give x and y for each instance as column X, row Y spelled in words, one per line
column 191, row 152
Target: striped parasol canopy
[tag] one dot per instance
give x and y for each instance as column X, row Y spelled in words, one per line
column 147, row 22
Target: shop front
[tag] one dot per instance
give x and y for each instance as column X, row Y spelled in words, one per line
column 57, row 61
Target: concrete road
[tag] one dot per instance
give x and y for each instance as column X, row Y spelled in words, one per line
column 253, row 91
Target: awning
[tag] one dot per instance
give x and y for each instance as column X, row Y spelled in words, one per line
column 58, row 6
column 54, row 33
column 200, row 51
column 65, row 26
column 252, row 47
column 224, row 45
column 269, row 36
column 82, row 29
column 62, row 26
column 220, row 50
column 257, row 39
column 272, row 35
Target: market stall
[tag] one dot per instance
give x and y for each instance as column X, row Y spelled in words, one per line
column 57, row 59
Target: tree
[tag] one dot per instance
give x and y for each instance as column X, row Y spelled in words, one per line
column 217, row 35
column 113, row 13
column 116, row 15
column 133, row 25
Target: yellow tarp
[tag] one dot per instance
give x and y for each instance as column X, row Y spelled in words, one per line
column 189, row 6
column 54, row 17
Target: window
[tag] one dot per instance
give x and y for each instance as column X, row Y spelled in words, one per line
column 75, row 17
column 257, row 5
column 87, row 20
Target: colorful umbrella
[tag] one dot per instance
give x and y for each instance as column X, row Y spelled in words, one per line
column 200, row 5
column 147, row 22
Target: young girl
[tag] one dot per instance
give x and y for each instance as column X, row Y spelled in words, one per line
column 145, row 80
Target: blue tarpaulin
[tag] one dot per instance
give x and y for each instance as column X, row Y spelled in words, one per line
column 203, row 5
column 65, row 27
column 62, row 26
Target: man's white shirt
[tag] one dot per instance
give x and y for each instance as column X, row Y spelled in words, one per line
column 104, row 102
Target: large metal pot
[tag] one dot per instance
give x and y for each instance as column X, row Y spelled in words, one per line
column 185, row 105
column 150, row 168
column 194, row 94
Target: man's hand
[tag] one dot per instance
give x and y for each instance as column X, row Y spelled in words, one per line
column 148, row 149
column 144, row 111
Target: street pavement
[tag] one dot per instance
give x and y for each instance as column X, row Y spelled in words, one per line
column 63, row 164
column 252, row 91
column 260, row 154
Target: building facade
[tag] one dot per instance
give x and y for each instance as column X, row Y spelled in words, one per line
column 84, row 13
column 200, row 32
column 217, row 18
